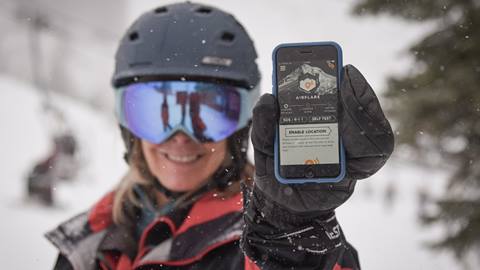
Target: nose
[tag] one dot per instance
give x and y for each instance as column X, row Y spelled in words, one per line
column 181, row 138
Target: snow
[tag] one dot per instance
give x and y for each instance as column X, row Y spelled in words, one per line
column 386, row 233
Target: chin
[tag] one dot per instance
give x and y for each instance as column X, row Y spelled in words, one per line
column 180, row 185
column 181, row 178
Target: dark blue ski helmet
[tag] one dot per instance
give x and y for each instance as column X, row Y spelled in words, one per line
column 188, row 41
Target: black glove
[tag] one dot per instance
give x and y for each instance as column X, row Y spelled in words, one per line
column 294, row 225
column 367, row 137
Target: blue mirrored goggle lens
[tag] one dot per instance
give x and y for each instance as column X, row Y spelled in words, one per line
column 155, row 110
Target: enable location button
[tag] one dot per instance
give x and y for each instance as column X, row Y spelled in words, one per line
column 307, row 131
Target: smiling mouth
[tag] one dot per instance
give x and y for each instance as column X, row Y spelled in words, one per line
column 182, row 158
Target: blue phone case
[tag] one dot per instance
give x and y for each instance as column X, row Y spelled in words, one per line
column 274, row 91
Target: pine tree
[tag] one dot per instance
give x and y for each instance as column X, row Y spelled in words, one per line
column 437, row 107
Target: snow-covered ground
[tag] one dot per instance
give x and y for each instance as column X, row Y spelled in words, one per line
column 387, row 236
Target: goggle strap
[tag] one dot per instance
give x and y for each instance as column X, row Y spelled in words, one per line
column 249, row 99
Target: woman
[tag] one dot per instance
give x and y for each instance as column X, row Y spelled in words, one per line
column 180, row 206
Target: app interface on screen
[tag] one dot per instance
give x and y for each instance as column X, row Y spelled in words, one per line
column 308, row 127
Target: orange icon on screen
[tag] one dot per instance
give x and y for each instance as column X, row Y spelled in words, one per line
column 312, row 161
column 308, row 84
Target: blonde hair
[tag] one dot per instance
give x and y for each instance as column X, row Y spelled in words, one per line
column 140, row 175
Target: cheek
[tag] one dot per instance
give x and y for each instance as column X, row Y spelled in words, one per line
column 217, row 157
column 150, row 157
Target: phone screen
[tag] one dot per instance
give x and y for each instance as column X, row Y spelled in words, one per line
column 308, row 100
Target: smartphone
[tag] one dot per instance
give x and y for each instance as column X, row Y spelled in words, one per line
column 306, row 81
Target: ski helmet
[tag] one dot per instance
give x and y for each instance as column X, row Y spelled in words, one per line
column 188, row 41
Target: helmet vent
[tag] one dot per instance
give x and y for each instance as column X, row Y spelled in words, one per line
column 227, row 37
column 204, row 10
column 133, row 36
column 160, row 10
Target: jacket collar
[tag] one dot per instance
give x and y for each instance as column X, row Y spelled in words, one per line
column 211, row 222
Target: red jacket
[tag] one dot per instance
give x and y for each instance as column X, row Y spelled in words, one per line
column 206, row 238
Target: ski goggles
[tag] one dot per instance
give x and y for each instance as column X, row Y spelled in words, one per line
column 154, row 111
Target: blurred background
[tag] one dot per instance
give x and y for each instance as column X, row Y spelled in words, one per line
column 61, row 149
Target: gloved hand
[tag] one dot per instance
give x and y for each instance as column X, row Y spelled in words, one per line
column 368, row 141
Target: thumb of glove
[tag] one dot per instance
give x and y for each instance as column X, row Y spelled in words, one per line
column 265, row 117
